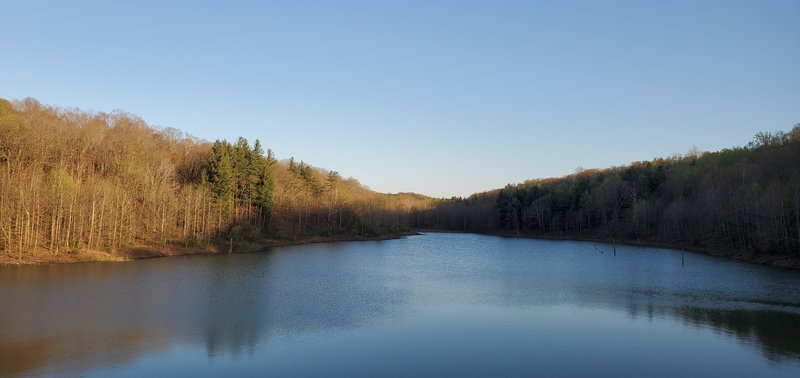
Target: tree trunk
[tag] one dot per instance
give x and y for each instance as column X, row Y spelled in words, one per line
column 797, row 218
column 91, row 223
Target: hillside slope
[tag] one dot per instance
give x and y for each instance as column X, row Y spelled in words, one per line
column 742, row 202
column 80, row 186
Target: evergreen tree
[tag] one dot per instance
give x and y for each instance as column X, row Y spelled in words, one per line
column 265, row 186
column 220, row 173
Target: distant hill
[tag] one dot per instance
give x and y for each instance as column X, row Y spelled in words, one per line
column 742, row 202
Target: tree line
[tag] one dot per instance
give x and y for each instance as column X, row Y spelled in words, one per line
column 73, row 181
column 742, row 200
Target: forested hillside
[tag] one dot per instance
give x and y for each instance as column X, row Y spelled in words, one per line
column 74, row 182
column 742, row 202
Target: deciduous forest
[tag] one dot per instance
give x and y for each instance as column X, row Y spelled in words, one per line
column 741, row 202
column 75, row 182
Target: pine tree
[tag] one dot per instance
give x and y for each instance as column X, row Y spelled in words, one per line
column 220, row 173
column 265, row 186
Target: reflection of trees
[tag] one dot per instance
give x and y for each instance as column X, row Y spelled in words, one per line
column 74, row 352
column 235, row 308
column 776, row 333
column 57, row 319
column 72, row 319
column 251, row 298
column 770, row 326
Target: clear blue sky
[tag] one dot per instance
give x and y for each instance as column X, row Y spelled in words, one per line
column 437, row 97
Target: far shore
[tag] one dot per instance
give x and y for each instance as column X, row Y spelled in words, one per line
column 148, row 252
column 782, row 261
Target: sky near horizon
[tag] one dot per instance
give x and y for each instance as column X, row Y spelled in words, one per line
column 444, row 98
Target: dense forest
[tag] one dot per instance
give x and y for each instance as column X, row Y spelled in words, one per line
column 75, row 182
column 742, row 202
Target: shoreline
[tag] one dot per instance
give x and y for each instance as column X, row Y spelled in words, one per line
column 150, row 252
column 778, row 261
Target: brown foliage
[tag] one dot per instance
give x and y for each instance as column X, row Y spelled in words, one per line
column 73, row 181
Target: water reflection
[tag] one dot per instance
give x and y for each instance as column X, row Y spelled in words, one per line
column 776, row 333
column 235, row 312
column 73, row 319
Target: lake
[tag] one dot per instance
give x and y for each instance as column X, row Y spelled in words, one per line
column 437, row 304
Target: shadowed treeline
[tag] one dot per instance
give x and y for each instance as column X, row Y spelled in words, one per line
column 742, row 202
column 75, row 182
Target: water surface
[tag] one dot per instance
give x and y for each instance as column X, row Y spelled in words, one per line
column 435, row 304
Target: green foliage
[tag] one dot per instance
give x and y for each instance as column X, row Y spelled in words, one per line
column 237, row 174
column 219, row 171
column 73, row 181
column 265, row 183
column 731, row 200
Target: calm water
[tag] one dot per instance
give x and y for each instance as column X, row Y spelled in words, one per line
column 432, row 305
